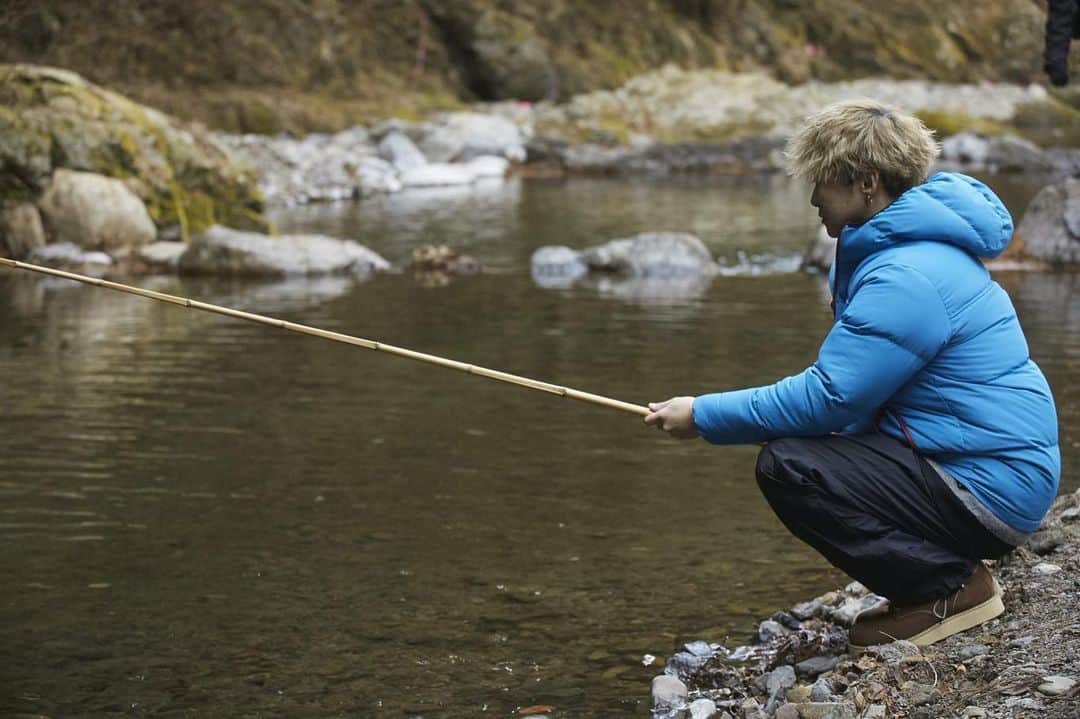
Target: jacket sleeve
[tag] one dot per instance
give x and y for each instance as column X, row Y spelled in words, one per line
column 895, row 322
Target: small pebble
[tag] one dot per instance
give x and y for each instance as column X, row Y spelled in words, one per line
column 974, row 712
column 1056, row 685
column 1023, row 703
column 1046, row 568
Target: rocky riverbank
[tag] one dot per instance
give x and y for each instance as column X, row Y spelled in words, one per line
column 85, row 170
column 1025, row 663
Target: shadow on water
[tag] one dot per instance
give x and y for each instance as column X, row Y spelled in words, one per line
column 204, row 515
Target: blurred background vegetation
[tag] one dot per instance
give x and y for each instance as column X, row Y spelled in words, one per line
column 305, row 65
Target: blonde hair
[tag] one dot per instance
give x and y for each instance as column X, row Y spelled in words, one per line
column 850, row 140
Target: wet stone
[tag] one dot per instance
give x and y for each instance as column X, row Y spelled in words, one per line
column 822, row 690
column 816, row 665
column 702, row 709
column 786, row 620
column 770, row 630
column 807, row 610
column 668, row 692
column 780, row 680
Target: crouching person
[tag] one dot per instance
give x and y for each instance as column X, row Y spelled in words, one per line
column 923, row 439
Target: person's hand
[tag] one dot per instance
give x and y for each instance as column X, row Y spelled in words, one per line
column 674, row 416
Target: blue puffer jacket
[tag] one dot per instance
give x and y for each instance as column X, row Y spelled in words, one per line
column 922, row 332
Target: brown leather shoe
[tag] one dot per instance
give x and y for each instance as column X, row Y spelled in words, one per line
column 978, row 601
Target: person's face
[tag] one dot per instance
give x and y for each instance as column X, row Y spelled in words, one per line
column 839, row 204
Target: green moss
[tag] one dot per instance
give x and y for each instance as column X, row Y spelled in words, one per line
column 945, row 124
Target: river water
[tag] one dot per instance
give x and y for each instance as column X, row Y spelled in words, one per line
column 205, row 517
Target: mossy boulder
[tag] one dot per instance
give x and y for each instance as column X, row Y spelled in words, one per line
column 52, row 119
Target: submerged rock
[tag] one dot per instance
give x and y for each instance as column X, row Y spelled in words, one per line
column 557, row 266
column 652, row 254
column 221, row 250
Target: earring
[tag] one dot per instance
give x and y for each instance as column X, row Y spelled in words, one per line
column 869, row 199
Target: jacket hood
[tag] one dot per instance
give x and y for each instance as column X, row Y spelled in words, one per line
column 948, row 207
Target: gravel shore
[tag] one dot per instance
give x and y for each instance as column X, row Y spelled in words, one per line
column 1026, row 663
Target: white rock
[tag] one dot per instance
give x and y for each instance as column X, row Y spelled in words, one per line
column 465, row 135
column 702, row 708
column 65, row 255
column 221, row 250
column 400, row 151
column 488, row 166
column 437, row 174
column 1056, row 685
column 161, row 254
column 1046, row 568
column 94, row 212
column 668, row 692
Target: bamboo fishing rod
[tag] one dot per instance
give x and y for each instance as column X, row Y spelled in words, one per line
column 337, row 337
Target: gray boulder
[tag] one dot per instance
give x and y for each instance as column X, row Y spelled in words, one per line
column 463, row 136
column 399, row 151
column 221, row 250
column 1050, row 228
column 94, row 212
column 653, row 255
column 21, row 231
column 966, row 148
column 1010, row 153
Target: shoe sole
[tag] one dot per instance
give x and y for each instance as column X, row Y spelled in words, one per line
column 991, row 608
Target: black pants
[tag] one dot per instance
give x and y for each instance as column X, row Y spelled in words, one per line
column 877, row 511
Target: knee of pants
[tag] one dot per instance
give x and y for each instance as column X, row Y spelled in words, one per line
column 770, row 470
